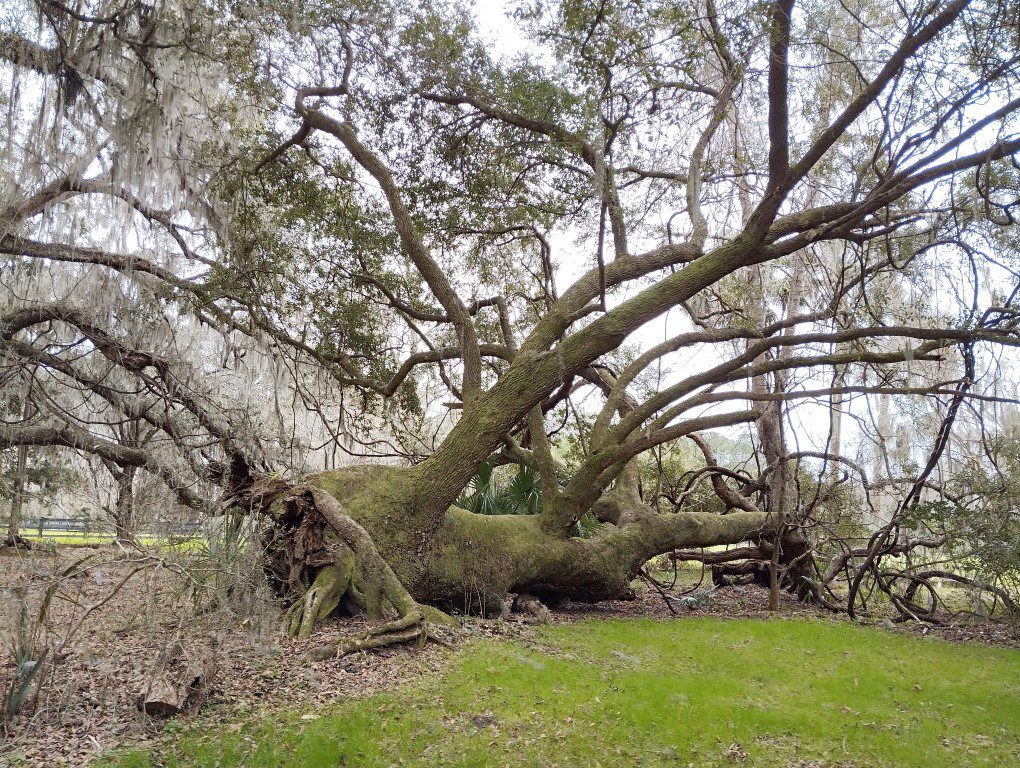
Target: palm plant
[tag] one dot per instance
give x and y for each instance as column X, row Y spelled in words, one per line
column 522, row 495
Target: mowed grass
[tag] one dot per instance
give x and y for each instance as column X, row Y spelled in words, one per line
column 699, row 692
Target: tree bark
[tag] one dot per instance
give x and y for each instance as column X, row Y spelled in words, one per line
column 20, row 476
column 18, row 495
column 123, row 517
column 181, row 680
column 468, row 562
column 787, row 563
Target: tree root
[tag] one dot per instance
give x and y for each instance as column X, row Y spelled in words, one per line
column 360, row 572
column 412, row 628
column 16, row 542
column 406, row 629
column 318, row 601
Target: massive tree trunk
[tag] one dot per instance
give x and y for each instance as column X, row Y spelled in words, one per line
column 467, row 562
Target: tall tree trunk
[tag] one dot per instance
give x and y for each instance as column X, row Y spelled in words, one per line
column 836, row 424
column 780, row 489
column 20, row 474
column 123, row 517
column 789, row 543
column 882, row 474
column 18, row 494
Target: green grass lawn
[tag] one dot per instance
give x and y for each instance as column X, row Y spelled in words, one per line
column 699, row 692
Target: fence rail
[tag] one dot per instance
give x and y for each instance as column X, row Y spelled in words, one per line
column 86, row 527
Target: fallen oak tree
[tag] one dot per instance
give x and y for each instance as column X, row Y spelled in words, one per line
column 355, row 240
column 325, row 542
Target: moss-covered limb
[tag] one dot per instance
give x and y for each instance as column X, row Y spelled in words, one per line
column 469, row 562
column 613, row 462
column 652, row 535
column 477, row 559
column 365, row 576
column 541, row 450
column 374, row 570
column 538, row 369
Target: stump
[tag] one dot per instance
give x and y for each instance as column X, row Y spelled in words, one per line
column 180, row 681
column 16, row 542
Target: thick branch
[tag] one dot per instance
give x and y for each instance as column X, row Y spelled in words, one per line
column 414, row 246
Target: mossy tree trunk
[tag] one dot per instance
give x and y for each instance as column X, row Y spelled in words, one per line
column 17, row 498
column 355, row 539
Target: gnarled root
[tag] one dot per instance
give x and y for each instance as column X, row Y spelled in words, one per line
column 360, row 572
column 319, row 600
column 411, row 627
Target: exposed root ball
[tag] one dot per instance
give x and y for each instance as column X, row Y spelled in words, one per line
column 316, row 543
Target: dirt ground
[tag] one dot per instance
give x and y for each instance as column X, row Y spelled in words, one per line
column 106, row 646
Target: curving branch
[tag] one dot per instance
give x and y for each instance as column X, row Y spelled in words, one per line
column 70, row 436
column 414, row 245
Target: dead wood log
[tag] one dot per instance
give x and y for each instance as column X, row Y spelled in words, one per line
column 16, row 541
column 180, row 681
column 736, row 574
column 531, row 608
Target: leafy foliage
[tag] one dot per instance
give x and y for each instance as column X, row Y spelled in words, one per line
column 521, row 495
column 983, row 519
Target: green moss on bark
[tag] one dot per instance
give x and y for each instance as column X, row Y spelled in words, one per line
column 469, row 562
